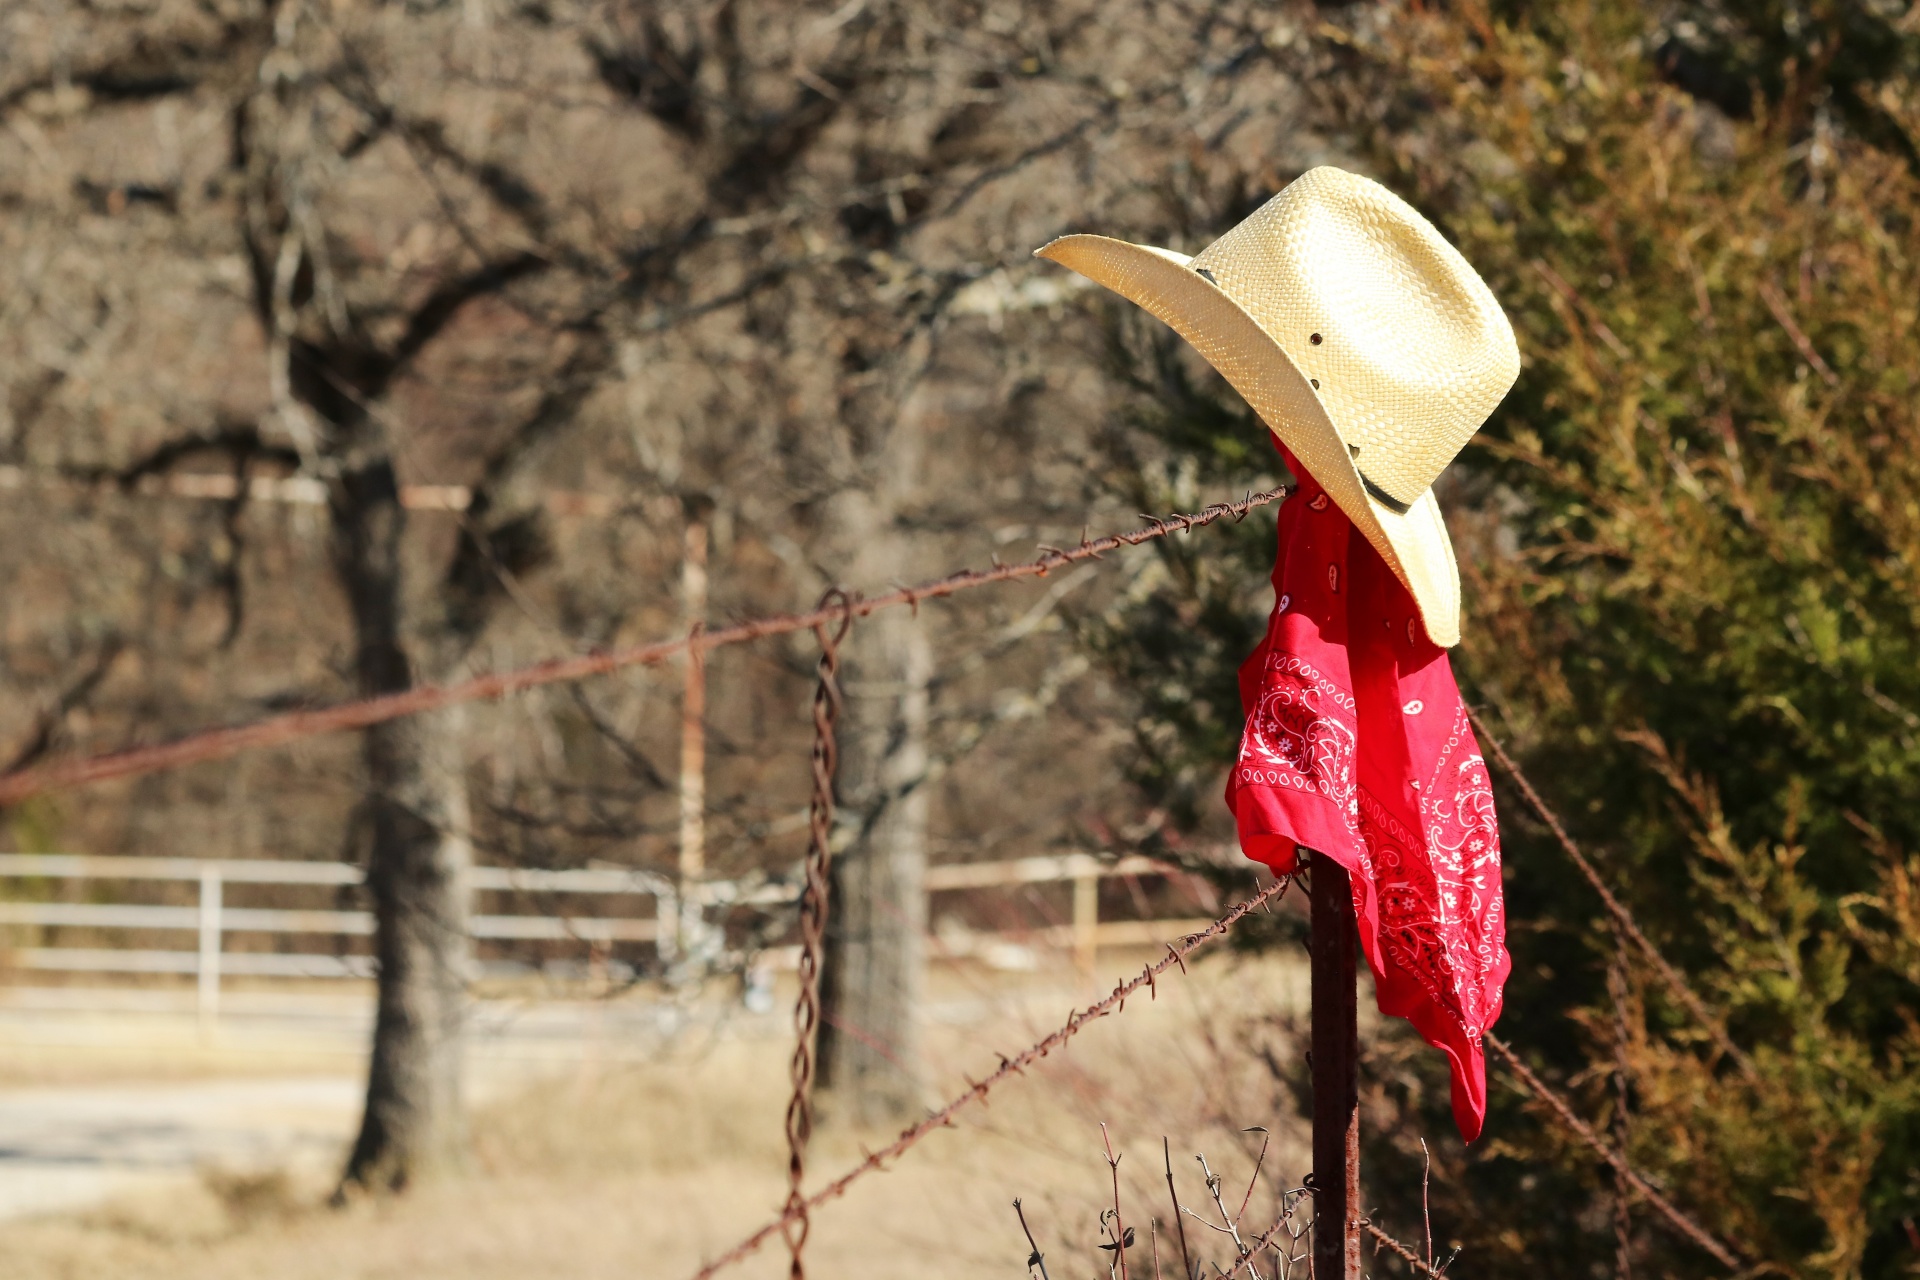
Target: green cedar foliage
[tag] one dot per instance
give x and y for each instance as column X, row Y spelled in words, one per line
column 1690, row 544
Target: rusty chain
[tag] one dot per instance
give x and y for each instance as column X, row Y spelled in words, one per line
column 219, row 744
column 814, row 901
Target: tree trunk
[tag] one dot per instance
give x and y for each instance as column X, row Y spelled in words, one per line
column 415, row 814
column 869, row 1049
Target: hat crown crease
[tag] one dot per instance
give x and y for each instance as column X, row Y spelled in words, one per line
column 1412, row 354
column 1414, row 351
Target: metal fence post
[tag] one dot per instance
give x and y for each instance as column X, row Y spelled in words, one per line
column 209, row 966
column 1332, row 947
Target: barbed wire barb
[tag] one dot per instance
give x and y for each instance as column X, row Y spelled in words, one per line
column 1384, row 1241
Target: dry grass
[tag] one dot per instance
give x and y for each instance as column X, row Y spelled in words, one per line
column 128, row 1057
column 643, row 1171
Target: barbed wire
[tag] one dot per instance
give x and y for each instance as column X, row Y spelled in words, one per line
column 1115, row 1002
column 1722, row 1252
column 1622, row 918
column 814, row 904
column 1628, row 928
column 799, row 1208
column 838, row 607
column 218, row 744
column 977, row 1090
column 1406, row 1254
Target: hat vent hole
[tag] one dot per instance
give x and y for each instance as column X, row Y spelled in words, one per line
column 1353, row 450
column 1314, row 339
column 1315, row 382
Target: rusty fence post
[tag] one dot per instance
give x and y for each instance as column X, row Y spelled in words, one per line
column 1336, row 1085
column 696, row 943
column 693, row 704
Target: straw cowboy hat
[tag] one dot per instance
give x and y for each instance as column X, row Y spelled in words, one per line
column 1360, row 336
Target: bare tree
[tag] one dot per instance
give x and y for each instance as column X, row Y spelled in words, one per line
column 774, row 252
column 872, row 979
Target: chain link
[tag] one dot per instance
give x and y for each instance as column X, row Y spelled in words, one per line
column 796, row 1222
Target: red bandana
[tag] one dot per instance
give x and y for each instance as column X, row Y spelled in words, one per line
column 1357, row 745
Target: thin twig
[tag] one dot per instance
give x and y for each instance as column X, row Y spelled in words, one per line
column 1254, row 1181
column 1036, row 1258
column 1186, row 1258
column 1119, row 1224
column 1618, row 990
column 1426, row 1204
column 1232, row 1223
column 1777, row 304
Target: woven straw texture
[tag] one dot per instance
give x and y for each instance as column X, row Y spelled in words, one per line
column 1360, row 336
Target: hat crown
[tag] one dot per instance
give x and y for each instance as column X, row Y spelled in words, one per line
column 1405, row 344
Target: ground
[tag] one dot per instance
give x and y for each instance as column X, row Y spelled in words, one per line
column 630, row 1139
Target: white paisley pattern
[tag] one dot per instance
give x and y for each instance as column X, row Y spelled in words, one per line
column 1301, row 734
column 1392, row 785
column 1441, row 917
column 1463, row 844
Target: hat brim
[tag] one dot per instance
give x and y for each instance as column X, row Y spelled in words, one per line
column 1414, row 543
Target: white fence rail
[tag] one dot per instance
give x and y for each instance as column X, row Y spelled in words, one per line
column 210, row 919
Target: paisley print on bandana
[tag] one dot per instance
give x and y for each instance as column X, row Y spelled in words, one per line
column 1357, row 745
column 1300, row 734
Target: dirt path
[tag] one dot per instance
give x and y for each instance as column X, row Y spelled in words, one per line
column 68, row 1147
column 589, row 1163
column 110, row 1092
